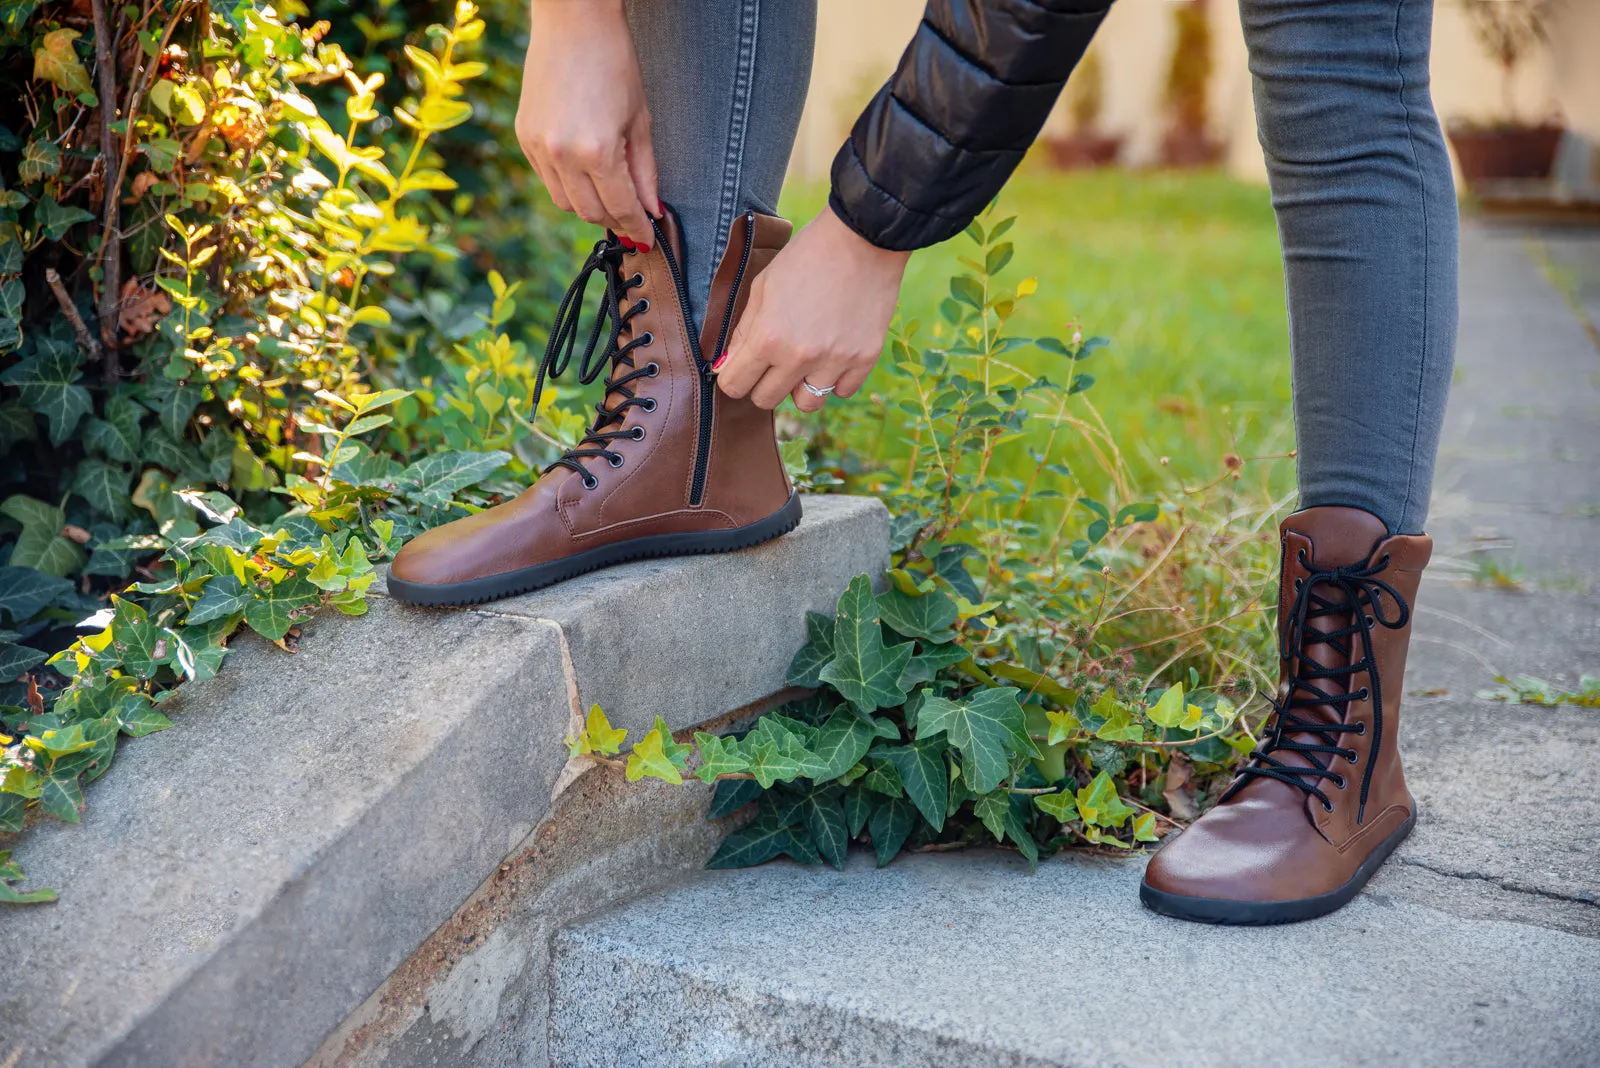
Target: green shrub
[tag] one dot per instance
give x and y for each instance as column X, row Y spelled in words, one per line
column 1005, row 686
column 238, row 429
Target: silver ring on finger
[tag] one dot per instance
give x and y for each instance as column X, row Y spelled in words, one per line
column 816, row 391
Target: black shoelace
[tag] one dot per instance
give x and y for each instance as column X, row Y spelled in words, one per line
column 606, row 259
column 1352, row 591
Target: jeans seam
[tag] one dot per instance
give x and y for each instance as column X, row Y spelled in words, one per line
column 738, row 122
column 1406, row 509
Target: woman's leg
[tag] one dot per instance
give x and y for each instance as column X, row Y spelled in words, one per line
column 726, row 81
column 1367, row 216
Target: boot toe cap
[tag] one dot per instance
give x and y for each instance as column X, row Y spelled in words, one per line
column 1226, row 859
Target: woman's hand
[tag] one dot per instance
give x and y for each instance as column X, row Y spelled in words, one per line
column 582, row 119
column 817, row 314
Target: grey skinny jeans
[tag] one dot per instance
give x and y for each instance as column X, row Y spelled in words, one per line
column 1360, row 182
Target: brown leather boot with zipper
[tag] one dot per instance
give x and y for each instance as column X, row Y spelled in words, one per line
column 670, row 466
column 1323, row 801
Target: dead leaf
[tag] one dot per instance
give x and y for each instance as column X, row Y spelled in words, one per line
column 1179, row 792
column 141, row 185
column 142, row 308
column 77, row 534
column 35, row 698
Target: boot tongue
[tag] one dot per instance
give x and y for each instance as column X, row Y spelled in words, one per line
column 1339, row 536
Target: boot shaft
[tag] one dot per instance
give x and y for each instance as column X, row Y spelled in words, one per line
column 685, row 448
column 1344, row 629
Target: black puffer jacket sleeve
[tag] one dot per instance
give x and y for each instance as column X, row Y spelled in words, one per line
column 970, row 95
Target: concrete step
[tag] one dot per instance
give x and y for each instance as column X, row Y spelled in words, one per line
column 967, row 961
column 242, row 883
column 1478, row 943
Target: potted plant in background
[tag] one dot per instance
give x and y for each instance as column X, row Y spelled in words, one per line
column 1507, row 148
column 1187, row 99
column 1087, row 145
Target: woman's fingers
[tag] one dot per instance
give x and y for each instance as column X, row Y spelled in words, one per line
column 642, row 168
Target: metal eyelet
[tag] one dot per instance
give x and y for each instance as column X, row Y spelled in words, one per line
column 1340, row 782
column 649, row 404
column 648, row 339
column 1327, row 806
column 590, row 482
column 636, row 280
column 653, row 368
column 1362, row 731
column 1363, row 694
column 615, row 459
column 1370, row 621
column 638, row 433
column 1352, row 756
column 644, row 305
column 1297, row 584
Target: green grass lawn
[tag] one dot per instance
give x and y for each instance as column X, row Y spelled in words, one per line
column 1181, row 271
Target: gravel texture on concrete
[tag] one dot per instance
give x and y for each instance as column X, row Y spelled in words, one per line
column 244, row 880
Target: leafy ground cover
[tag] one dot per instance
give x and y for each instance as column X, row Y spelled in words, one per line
column 256, row 334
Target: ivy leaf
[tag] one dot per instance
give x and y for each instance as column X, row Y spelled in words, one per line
column 597, row 736
column 55, row 220
column 924, row 775
column 223, row 595
column 435, row 478
column 840, row 745
column 1016, row 820
column 40, row 545
column 754, row 844
column 823, row 815
column 929, row 616
column 16, row 422
column 234, row 534
column 62, row 798
column 1063, row 806
column 46, row 383
column 40, row 160
column 858, row 806
column 273, row 610
column 718, row 756
column 1169, row 710
column 24, row 590
column 10, row 872
column 117, row 435
column 16, row 659
column 56, row 61
column 992, row 809
column 731, row 795
column 1119, row 725
column 143, row 645
column 815, row 654
column 649, row 758
column 987, row 727
column 104, row 485
column 926, row 665
column 775, row 758
column 1144, row 828
column 891, row 824
column 863, row 670
column 1099, row 804
column 13, row 810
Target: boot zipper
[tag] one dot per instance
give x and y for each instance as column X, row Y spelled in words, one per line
column 708, row 385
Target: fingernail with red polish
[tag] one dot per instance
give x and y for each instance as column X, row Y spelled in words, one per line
column 625, row 242
column 643, row 248
column 716, row 364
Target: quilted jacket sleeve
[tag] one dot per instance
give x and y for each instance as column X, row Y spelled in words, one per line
column 970, row 95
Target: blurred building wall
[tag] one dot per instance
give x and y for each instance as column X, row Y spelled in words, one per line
column 859, row 41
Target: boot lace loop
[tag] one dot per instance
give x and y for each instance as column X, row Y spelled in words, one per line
column 611, row 319
column 1352, row 593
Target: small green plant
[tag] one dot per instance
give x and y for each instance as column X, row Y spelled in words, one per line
column 1528, row 690
column 1044, row 668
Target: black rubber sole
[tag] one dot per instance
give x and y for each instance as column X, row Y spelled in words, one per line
column 1265, row 913
column 511, row 583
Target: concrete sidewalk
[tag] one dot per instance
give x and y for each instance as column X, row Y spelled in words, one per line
column 1478, row 944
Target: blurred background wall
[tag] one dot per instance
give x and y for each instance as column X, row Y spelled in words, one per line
column 1558, row 80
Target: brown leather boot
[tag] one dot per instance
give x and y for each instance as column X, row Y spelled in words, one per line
column 671, row 465
column 1323, row 801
